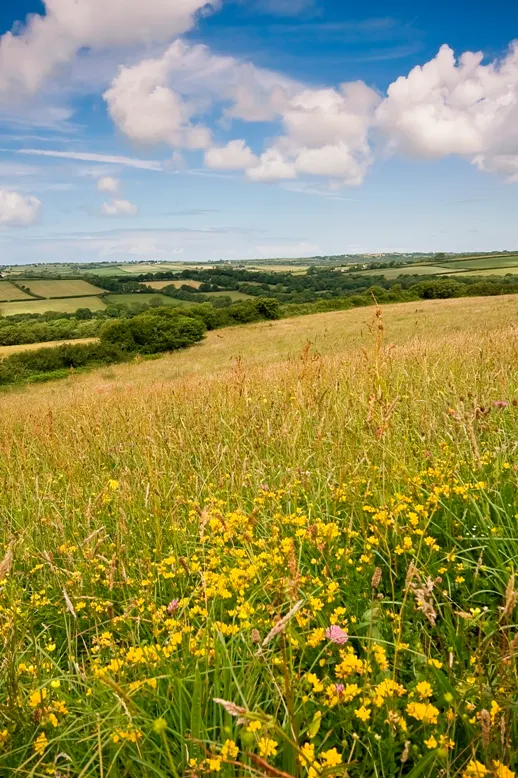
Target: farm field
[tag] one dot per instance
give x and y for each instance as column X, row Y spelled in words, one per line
column 42, row 306
column 286, row 267
column 56, row 289
column 151, row 268
column 10, row 292
column 287, row 551
column 495, row 271
column 177, row 284
column 405, row 270
column 483, row 263
column 142, row 297
column 6, row 351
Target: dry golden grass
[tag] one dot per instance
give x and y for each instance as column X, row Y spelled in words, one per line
column 423, row 325
column 6, row 351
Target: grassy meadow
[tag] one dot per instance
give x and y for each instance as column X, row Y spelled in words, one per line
column 405, row 270
column 288, row 551
column 65, row 305
column 69, row 288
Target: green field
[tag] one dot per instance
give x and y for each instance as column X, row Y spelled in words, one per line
column 483, row 263
column 404, row 270
column 495, row 271
column 138, row 297
column 288, row 552
column 10, row 292
column 53, row 289
column 62, row 305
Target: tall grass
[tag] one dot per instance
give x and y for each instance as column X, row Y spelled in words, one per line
column 326, row 545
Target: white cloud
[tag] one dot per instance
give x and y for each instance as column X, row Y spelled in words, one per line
column 108, row 184
column 80, row 156
column 28, row 56
column 272, row 166
column 148, row 111
column 119, row 208
column 145, row 106
column 333, row 161
column 236, row 155
column 456, row 107
column 16, row 210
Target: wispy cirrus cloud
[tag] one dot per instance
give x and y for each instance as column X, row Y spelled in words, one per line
column 83, row 156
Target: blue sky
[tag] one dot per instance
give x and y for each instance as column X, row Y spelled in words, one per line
column 180, row 131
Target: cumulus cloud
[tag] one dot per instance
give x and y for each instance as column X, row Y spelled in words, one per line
column 16, row 210
column 155, row 100
column 236, row 155
column 147, row 110
column 30, row 54
column 272, row 166
column 325, row 131
column 463, row 107
column 119, row 208
column 108, row 184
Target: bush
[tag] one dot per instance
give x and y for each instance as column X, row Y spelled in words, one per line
column 152, row 334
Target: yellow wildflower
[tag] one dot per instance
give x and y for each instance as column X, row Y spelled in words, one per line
column 40, row 744
column 422, row 711
column 229, row 750
column 267, row 747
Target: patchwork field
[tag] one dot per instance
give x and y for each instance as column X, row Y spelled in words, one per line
column 55, row 289
column 10, row 292
column 42, row 306
column 287, row 552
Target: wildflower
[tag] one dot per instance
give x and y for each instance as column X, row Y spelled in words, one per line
column 317, row 636
column 435, row 663
column 475, row 770
column 363, row 713
column 331, row 758
column 37, row 698
column 431, row 743
column 229, row 750
column 315, row 681
column 501, row 771
column 422, row 711
column 40, row 744
column 336, row 634
column 214, row 764
column 267, row 747
column 424, row 690
column 113, row 485
column 173, row 605
column 495, row 710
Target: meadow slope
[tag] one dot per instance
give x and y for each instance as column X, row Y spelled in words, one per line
column 288, row 551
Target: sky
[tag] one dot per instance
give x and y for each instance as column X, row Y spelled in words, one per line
column 181, row 130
